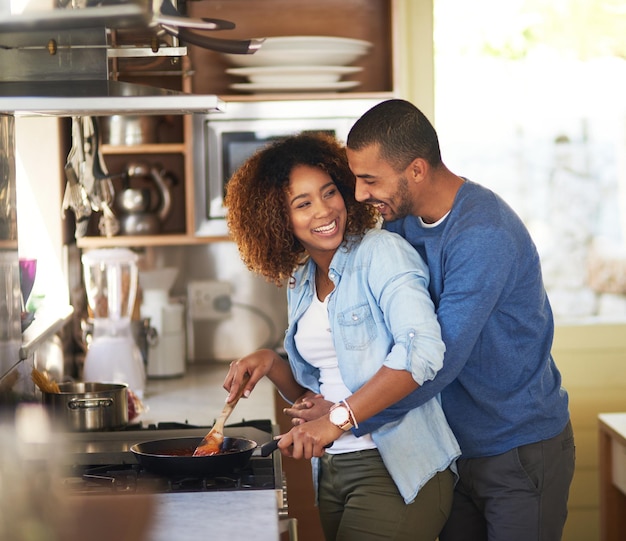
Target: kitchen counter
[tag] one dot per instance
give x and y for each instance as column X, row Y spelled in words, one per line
column 191, row 516
column 236, row 516
column 198, row 398
column 612, row 462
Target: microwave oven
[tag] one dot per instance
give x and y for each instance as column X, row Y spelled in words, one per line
column 223, row 141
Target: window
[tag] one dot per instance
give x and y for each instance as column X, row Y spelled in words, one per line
column 530, row 101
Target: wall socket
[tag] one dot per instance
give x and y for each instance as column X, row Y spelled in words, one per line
column 208, row 299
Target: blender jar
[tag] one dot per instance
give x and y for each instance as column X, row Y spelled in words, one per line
column 111, row 277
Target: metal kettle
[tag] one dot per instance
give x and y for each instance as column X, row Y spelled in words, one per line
column 143, row 209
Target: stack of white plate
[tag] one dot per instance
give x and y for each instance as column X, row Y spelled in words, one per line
column 299, row 63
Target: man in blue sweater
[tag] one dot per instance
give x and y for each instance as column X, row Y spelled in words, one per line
column 500, row 388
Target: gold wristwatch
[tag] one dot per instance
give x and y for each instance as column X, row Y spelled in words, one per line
column 341, row 416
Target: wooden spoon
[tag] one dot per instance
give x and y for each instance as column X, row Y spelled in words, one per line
column 211, row 444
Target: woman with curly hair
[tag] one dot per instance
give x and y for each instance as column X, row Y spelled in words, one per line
column 362, row 333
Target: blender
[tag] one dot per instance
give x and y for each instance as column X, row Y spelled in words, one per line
column 113, row 356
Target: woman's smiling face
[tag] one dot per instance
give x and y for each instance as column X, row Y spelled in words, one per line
column 316, row 209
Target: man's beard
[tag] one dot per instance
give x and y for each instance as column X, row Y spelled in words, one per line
column 402, row 201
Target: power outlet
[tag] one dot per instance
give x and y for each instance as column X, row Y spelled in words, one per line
column 209, row 299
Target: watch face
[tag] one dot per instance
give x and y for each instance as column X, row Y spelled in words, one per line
column 339, row 415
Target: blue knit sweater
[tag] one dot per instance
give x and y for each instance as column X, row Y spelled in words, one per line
column 499, row 385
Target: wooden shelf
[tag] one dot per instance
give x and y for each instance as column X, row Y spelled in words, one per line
column 369, row 20
column 132, row 241
column 156, row 148
column 8, row 244
column 306, row 96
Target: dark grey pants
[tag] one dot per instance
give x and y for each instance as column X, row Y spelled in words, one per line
column 358, row 501
column 520, row 495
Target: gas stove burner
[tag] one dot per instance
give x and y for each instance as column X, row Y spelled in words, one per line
column 132, row 479
column 118, row 481
column 196, row 484
column 101, row 463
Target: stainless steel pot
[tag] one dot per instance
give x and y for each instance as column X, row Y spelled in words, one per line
column 129, row 130
column 89, row 406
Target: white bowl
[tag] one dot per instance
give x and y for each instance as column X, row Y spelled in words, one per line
column 295, row 87
column 303, row 51
column 319, row 43
column 294, row 57
column 294, row 74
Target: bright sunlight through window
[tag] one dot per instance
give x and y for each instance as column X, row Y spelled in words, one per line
column 530, row 101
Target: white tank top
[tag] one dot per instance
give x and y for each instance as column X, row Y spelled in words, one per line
column 314, row 342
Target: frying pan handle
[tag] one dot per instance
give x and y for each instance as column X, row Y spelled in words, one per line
column 229, row 46
column 169, row 10
column 271, row 446
column 268, row 448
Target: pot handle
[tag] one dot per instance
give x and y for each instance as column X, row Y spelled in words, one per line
column 89, row 403
column 164, row 191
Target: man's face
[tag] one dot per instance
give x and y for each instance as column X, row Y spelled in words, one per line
column 378, row 184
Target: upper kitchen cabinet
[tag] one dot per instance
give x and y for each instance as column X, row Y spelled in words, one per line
column 385, row 70
column 147, row 156
column 367, row 20
column 151, row 179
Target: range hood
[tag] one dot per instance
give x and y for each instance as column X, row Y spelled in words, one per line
column 99, row 98
column 55, row 61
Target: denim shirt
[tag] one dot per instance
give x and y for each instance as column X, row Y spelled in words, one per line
column 381, row 313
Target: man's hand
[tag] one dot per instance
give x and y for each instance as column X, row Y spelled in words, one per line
column 308, row 407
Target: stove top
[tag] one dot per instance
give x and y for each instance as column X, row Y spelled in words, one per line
column 102, row 463
column 113, row 447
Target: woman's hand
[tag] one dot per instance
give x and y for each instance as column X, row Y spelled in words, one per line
column 309, row 439
column 264, row 362
column 256, row 365
column 307, row 407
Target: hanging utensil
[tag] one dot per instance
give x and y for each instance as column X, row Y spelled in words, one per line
column 103, row 192
column 86, row 157
column 75, row 197
column 108, row 225
column 211, row 444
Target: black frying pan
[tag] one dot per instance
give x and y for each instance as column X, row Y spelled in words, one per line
column 175, row 456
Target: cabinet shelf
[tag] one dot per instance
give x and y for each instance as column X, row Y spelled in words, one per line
column 152, row 148
column 8, row 244
column 131, row 241
column 276, row 96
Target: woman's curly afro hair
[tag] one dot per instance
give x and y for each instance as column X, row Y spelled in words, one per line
column 257, row 214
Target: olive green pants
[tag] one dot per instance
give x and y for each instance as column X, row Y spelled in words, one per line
column 358, row 501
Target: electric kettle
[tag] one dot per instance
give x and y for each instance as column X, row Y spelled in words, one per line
column 145, row 200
